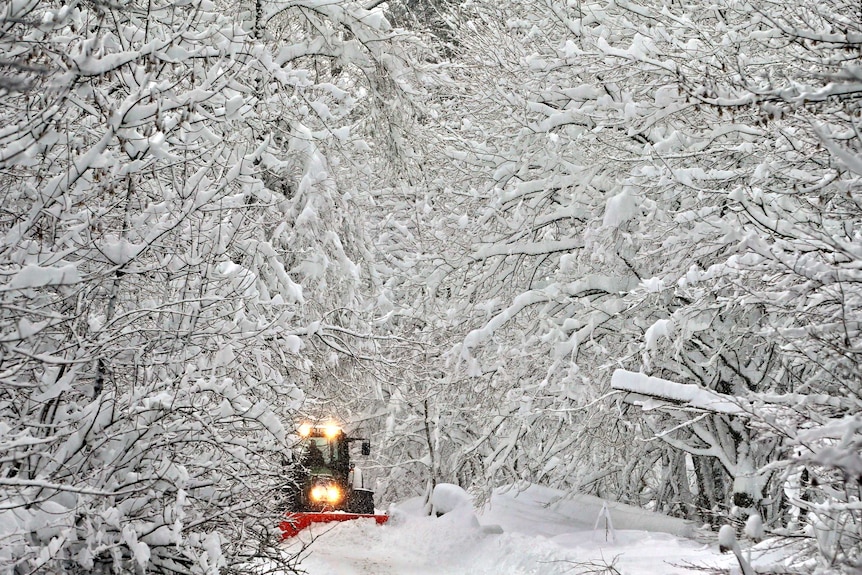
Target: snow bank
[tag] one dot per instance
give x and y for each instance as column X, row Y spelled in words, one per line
column 544, row 532
column 448, row 497
column 558, row 512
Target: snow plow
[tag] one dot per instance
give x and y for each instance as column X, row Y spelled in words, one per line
column 326, row 486
column 295, row 522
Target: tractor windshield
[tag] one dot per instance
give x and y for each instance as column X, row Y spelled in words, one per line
column 319, row 452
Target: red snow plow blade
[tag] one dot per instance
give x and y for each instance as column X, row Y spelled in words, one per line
column 295, row 522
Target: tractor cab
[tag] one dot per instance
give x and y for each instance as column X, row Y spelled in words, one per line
column 325, row 454
column 325, row 477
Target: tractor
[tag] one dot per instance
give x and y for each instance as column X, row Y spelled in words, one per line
column 326, row 486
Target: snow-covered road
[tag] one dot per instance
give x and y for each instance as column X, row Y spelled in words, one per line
column 534, row 532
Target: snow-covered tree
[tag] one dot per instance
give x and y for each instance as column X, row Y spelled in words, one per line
column 177, row 235
column 142, row 400
column 642, row 184
column 801, row 203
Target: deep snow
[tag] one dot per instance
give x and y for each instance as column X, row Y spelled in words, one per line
column 536, row 531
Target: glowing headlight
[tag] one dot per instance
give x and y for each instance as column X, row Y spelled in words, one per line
column 331, row 430
column 318, row 493
column 305, row 429
column 326, row 493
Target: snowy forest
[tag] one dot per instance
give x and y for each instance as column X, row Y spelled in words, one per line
column 606, row 246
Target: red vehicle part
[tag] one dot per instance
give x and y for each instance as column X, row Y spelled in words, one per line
column 295, row 522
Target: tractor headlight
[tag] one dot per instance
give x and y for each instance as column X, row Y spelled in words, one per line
column 304, row 430
column 329, row 493
column 331, row 430
column 318, row 493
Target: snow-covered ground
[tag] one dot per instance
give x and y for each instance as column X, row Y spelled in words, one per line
column 536, row 531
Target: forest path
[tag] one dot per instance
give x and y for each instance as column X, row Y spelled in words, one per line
column 536, row 532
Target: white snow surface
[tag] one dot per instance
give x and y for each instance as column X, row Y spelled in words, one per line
column 535, row 531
